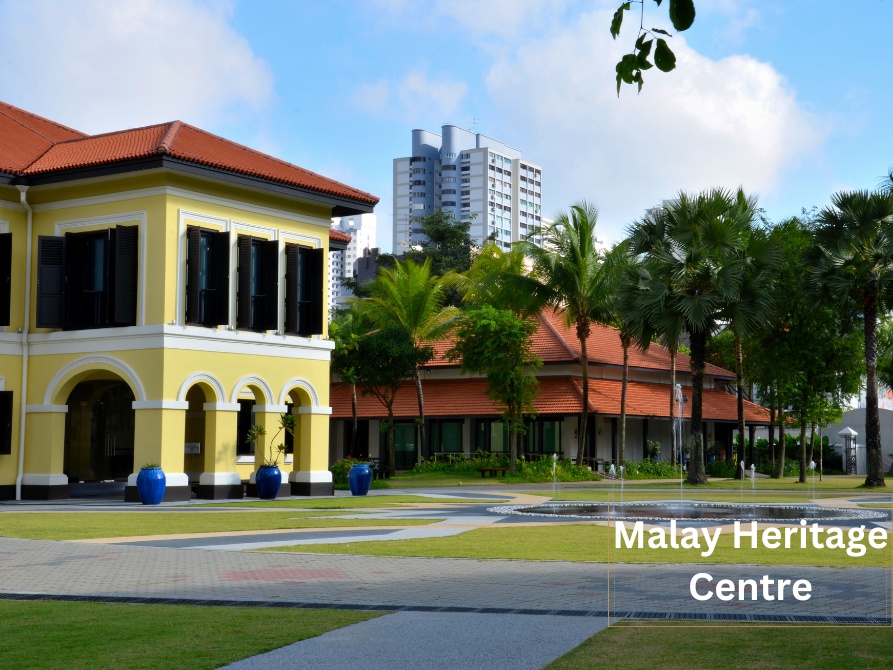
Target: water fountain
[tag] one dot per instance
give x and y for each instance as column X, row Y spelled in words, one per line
column 554, row 474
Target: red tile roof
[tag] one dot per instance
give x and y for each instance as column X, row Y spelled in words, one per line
column 455, row 397
column 554, row 342
column 603, row 346
column 653, row 400
column 555, row 395
column 31, row 145
column 338, row 236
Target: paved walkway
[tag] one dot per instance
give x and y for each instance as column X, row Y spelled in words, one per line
column 453, row 612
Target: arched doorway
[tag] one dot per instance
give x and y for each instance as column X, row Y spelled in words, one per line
column 99, row 430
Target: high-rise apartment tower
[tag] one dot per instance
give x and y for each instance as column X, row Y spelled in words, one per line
column 475, row 177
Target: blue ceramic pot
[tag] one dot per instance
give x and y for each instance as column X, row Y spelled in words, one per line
column 268, row 480
column 360, row 479
column 151, row 483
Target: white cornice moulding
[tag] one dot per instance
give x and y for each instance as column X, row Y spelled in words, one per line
column 314, row 410
column 156, row 191
column 46, row 409
column 221, row 407
column 160, row 404
column 189, row 338
column 14, row 206
column 270, row 409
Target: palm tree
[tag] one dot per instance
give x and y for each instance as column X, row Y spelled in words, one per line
column 748, row 311
column 575, row 281
column 409, row 296
column 693, row 269
column 501, row 279
column 853, row 262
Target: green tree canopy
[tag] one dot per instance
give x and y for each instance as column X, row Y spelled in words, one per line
column 497, row 343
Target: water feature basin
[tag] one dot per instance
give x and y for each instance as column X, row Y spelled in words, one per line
column 690, row 511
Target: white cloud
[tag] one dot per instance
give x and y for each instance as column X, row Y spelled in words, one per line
column 709, row 123
column 416, row 98
column 100, row 66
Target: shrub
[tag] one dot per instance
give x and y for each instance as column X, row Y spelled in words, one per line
column 530, row 469
column 340, row 468
column 648, row 469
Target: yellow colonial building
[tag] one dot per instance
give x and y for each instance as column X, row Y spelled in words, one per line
column 162, row 290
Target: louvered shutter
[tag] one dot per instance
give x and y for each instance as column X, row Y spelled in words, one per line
column 5, row 422
column 125, row 247
column 316, row 293
column 243, row 297
column 5, row 277
column 292, row 295
column 50, row 282
column 269, row 273
column 193, row 274
column 75, row 271
column 220, row 277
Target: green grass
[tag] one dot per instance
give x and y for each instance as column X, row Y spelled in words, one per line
column 601, row 495
column 359, row 502
column 82, row 636
column 426, row 479
column 91, row 525
column 629, row 646
column 844, row 483
column 875, row 505
column 590, row 542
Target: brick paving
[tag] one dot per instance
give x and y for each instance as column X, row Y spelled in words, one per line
column 85, row 569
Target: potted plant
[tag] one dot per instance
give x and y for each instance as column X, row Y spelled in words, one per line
column 268, row 478
column 359, row 478
column 151, row 483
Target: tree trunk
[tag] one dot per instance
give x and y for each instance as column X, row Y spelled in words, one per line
column 802, row 447
column 392, row 439
column 874, row 460
column 420, row 424
column 513, row 449
column 583, row 335
column 696, row 473
column 353, row 407
column 778, row 466
column 772, row 426
column 625, row 341
column 673, row 405
column 739, row 380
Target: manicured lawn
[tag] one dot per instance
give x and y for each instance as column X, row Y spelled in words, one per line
column 91, row 525
column 601, row 495
column 629, row 646
column 50, row 635
column 828, row 483
column 358, row 502
column 590, row 542
column 440, row 479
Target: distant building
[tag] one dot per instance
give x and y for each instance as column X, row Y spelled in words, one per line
column 471, row 175
column 362, row 229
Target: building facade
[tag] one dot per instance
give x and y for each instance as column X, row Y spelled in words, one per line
column 473, row 176
column 462, row 419
column 164, row 291
column 362, row 229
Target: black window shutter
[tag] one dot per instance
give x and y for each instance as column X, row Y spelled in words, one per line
column 125, row 245
column 220, row 278
column 292, row 282
column 193, row 273
column 5, row 277
column 75, row 273
column 50, row 282
column 314, row 291
column 243, row 295
column 269, row 258
column 5, row 423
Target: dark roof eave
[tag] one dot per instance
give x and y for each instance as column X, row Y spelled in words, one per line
column 341, row 206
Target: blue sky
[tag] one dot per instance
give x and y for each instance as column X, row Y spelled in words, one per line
column 791, row 100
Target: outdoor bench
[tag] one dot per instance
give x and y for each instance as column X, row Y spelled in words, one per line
column 492, row 471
